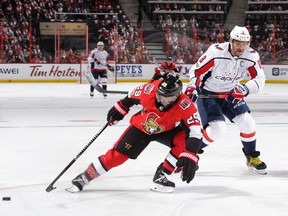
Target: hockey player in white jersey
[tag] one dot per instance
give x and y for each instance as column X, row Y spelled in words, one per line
column 218, row 73
column 98, row 65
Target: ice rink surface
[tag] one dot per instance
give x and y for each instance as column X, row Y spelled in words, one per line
column 44, row 126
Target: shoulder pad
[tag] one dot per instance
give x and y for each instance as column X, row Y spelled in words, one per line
column 217, row 46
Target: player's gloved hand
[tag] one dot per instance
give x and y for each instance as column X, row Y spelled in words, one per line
column 160, row 71
column 110, row 67
column 238, row 93
column 97, row 61
column 192, row 92
column 117, row 113
column 188, row 164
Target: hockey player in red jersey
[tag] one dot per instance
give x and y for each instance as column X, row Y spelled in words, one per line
column 164, row 69
column 156, row 121
column 219, row 72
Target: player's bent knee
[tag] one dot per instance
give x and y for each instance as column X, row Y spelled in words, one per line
column 216, row 129
column 245, row 123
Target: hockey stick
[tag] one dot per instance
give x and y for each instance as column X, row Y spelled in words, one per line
column 203, row 96
column 93, row 82
column 101, row 90
column 51, row 187
column 110, row 68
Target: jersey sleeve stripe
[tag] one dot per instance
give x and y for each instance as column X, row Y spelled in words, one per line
column 204, row 68
column 252, row 72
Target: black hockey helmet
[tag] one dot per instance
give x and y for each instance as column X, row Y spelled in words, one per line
column 169, row 90
column 169, row 58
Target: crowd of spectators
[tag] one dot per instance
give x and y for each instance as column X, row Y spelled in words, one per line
column 188, row 7
column 187, row 35
column 19, row 47
column 269, row 31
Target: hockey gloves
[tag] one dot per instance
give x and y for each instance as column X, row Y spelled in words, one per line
column 111, row 68
column 188, row 164
column 117, row 113
column 192, row 92
column 160, row 71
column 238, row 93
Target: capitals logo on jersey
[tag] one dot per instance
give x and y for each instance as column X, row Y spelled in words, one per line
column 151, row 126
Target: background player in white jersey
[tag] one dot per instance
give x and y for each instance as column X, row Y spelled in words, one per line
column 219, row 72
column 98, row 63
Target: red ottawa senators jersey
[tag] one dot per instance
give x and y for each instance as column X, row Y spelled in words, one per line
column 170, row 67
column 151, row 120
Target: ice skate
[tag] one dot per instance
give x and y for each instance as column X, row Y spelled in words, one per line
column 91, row 94
column 78, row 183
column 255, row 165
column 161, row 183
column 105, row 96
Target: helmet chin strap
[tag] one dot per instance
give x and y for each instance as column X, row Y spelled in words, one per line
column 231, row 49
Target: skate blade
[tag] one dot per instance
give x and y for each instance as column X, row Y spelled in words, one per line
column 72, row 189
column 260, row 172
column 161, row 189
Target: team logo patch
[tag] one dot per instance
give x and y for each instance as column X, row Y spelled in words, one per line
column 184, row 104
column 151, row 126
column 218, row 47
column 148, row 89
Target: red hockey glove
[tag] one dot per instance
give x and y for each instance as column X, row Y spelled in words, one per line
column 188, row 164
column 238, row 93
column 117, row 113
column 192, row 92
column 160, row 71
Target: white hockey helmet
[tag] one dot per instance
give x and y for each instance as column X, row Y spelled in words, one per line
column 100, row 43
column 240, row 34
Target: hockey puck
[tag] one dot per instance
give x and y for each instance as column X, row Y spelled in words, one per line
column 6, row 198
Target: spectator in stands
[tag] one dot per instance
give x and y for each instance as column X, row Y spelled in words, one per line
column 35, row 59
column 71, row 57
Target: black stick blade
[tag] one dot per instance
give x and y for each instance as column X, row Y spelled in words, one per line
column 50, row 188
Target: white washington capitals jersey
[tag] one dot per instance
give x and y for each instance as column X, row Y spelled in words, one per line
column 101, row 56
column 218, row 71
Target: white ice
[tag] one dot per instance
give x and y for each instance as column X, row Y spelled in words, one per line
column 44, row 126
